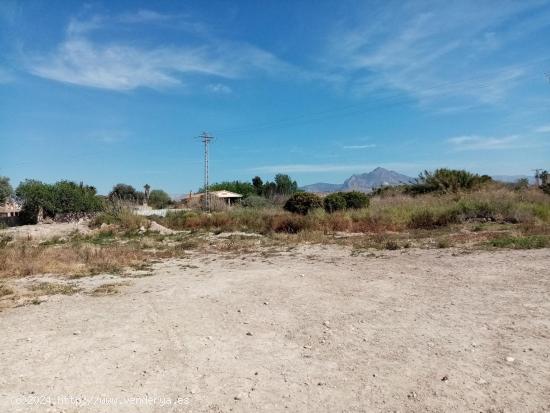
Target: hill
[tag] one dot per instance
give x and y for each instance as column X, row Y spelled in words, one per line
column 362, row 182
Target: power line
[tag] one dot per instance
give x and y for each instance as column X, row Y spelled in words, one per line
column 392, row 99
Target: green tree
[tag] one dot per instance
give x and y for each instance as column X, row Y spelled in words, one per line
column 243, row 188
column 61, row 197
column 258, row 184
column 146, row 191
column 36, row 195
column 303, row 203
column 6, row 189
column 334, row 202
column 70, row 197
column 125, row 192
column 159, row 199
column 285, row 185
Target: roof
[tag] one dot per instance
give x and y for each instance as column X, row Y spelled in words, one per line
column 219, row 194
column 226, row 194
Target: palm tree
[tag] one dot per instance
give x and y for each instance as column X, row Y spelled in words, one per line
column 147, row 188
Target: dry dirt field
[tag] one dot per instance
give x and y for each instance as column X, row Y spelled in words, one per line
column 309, row 329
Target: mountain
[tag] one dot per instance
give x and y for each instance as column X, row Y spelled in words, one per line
column 513, row 178
column 364, row 182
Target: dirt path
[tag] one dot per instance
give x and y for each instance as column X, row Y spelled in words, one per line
column 314, row 329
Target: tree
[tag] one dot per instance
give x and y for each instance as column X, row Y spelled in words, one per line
column 334, row 202
column 285, row 185
column 243, row 188
column 36, row 196
column 159, row 199
column 303, row 203
column 69, row 197
column 125, row 192
column 6, row 189
column 544, row 178
column 61, row 197
column 258, row 184
column 146, row 188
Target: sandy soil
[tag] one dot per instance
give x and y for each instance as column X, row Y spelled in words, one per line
column 313, row 329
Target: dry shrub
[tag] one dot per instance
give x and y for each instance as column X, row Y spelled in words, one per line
column 121, row 216
column 288, row 223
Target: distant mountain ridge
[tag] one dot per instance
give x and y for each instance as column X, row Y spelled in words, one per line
column 366, row 182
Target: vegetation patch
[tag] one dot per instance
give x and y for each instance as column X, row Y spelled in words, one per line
column 48, row 288
column 527, row 242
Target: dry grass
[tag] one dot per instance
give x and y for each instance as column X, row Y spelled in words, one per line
column 48, row 288
column 108, row 289
column 99, row 254
column 386, row 213
column 5, row 290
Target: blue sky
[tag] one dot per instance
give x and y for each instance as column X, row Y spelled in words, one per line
column 108, row 92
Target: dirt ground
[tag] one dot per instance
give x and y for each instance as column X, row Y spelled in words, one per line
column 315, row 328
column 46, row 231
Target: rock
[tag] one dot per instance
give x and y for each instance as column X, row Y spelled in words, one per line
column 445, row 378
column 510, row 359
column 326, row 323
column 76, row 333
column 160, row 229
column 249, row 333
column 266, row 302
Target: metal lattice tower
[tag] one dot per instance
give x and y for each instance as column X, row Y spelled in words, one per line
column 206, row 139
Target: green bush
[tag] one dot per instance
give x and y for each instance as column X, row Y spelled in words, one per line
column 334, row 202
column 256, row 201
column 355, row 199
column 302, row 203
column 447, row 180
column 61, row 197
column 5, row 189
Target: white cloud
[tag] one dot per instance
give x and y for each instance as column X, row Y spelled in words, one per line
column 475, row 142
column 81, row 60
column 430, row 50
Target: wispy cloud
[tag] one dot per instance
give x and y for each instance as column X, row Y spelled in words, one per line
column 474, row 142
column 83, row 60
column 430, row 50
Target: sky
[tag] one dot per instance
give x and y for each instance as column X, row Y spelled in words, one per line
column 118, row 91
